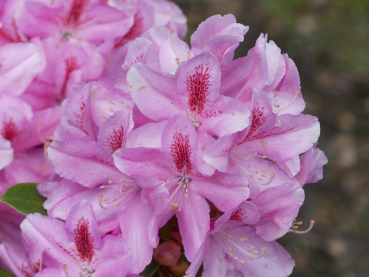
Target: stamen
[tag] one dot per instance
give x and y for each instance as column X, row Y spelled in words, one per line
column 293, row 228
column 277, row 107
column 38, row 131
column 179, row 194
column 312, row 222
column 171, row 43
column 116, row 194
column 240, row 249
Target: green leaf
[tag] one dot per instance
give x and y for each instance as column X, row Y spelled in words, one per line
column 4, row 273
column 150, row 270
column 24, row 198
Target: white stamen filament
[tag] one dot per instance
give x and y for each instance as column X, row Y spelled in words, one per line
column 236, row 246
column 171, row 43
column 277, row 107
column 179, row 195
column 238, row 161
column 293, row 227
column 120, row 193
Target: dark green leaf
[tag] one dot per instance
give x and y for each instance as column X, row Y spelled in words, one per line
column 24, row 198
column 150, row 269
column 4, row 273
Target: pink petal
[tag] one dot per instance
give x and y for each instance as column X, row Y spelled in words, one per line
column 147, row 87
column 179, row 143
column 114, row 257
column 225, row 191
column 20, row 62
column 278, row 207
column 81, row 228
column 113, row 133
column 6, row 152
column 226, row 116
column 194, row 222
column 199, row 81
column 83, row 161
column 148, row 136
column 312, row 163
column 134, row 226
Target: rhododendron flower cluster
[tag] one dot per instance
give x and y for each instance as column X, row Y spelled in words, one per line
column 147, row 148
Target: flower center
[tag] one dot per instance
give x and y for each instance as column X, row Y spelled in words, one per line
column 179, row 195
column 115, row 193
column 258, row 175
column 236, row 246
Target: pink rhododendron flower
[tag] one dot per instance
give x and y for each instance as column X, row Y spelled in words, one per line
column 75, row 247
column 230, row 245
column 175, row 164
column 19, row 263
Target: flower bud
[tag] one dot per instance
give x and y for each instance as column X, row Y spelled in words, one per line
column 180, row 268
column 168, row 253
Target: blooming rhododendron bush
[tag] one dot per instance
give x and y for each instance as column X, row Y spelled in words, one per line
column 127, row 152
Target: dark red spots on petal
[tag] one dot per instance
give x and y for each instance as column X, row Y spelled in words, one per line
column 79, row 115
column 258, row 120
column 75, row 13
column 239, row 215
column 136, row 30
column 197, row 87
column 115, row 139
column 139, row 58
column 70, row 65
column 84, row 241
column 10, row 130
column 25, row 270
column 180, row 152
column 36, row 267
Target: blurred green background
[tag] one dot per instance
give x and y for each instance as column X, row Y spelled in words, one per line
column 329, row 42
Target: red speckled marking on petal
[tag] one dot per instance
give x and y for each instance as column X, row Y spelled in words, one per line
column 135, row 31
column 25, row 270
column 70, row 66
column 180, row 152
column 75, row 12
column 84, row 241
column 10, row 130
column 239, row 215
column 9, row 37
column 79, row 116
column 197, row 87
column 139, row 58
column 115, row 139
column 36, row 267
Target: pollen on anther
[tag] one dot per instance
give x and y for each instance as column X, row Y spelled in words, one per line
column 110, row 101
column 110, row 181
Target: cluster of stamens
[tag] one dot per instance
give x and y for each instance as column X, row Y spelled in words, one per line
column 237, row 247
column 86, row 270
column 278, row 107
column 118, row 192
column 179, row 195
column 112, row 106
column 259, row 176
column 295, row 225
